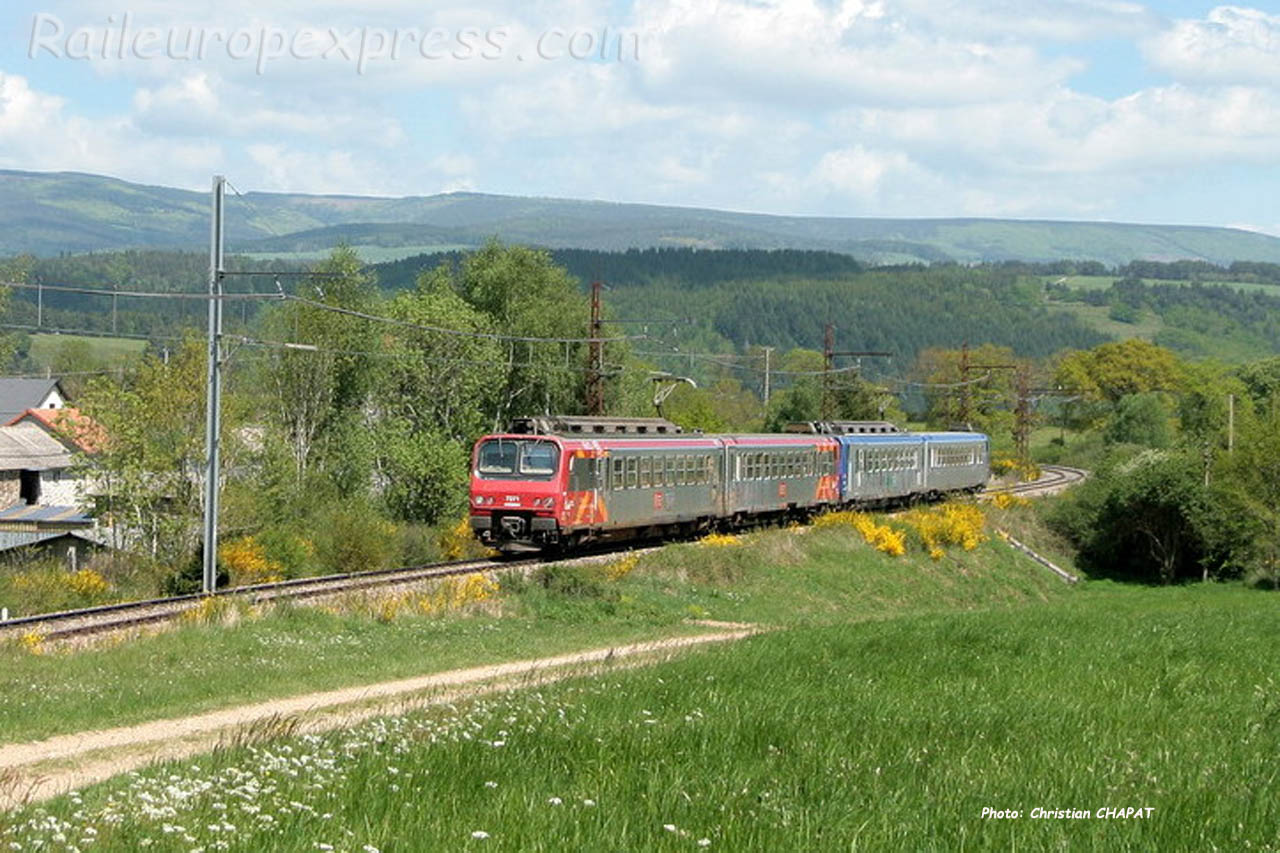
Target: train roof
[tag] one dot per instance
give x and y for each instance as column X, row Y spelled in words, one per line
column 911, row 438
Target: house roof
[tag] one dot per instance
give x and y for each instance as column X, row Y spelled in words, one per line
column 69, row 425
column 35, row 514
column 18, row 395
column 11, row 539
column 28, row 447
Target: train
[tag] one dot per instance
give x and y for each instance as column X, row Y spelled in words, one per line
column 557, row 484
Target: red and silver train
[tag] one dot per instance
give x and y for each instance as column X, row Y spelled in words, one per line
column 560, row 483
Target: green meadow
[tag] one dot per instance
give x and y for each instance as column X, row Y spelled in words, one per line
column 895, row 700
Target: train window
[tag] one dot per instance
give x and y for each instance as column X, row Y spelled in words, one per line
column 498, row 457
column 632, row 471
column 646, row 472
column 704, row 468
column 539, row 458
column 671, row 470
column 618, row 468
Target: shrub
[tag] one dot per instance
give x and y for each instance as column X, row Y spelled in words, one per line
column 351, row 537
column 246, row 561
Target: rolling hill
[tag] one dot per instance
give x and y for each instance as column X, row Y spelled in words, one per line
column 51, row 213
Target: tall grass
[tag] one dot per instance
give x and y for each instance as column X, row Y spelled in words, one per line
column 891, row 734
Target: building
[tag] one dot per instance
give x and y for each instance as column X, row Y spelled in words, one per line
column 69, row 546
column 18, row 395
column 36, row 468
column 77, row 431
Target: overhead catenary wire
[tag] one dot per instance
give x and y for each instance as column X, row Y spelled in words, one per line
column 324, row 306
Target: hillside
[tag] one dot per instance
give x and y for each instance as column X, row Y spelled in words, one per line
column 51, row 213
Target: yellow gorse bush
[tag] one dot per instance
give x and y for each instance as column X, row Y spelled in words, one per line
column 949, row 524
column 88, row 583
column 720, row 540
column 619, row 569
column 1005, row 500
column 246, row 561
column 52, row 585
column 456, row 541
column 449, row 595
column 880, row 536
column 33, row 642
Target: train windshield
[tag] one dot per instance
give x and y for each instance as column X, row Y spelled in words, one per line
column 507, row 459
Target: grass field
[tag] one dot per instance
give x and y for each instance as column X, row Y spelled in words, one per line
column 774, row 578
column 100, row 352
column 894, row 701
column 879, row 734
column 1102, row 282
column 1098, row 317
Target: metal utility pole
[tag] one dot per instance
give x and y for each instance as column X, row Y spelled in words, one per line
column 213, row 418
column 595, row 356
column 39, row 302
column 768, row 351
column 829, row 354
column 1022, row 415
column 965, row 368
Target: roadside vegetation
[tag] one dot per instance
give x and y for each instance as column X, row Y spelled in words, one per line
column 227, row 655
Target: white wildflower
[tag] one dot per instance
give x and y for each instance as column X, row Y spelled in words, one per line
column 491, row 784
column 555, row 801
column 480, row 834
column 704, row 842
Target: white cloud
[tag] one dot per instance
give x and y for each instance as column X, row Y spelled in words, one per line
column 811, row 55
column 1231, row 45
column 38, row 131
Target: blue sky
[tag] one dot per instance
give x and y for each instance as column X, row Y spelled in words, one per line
column 1073, row 109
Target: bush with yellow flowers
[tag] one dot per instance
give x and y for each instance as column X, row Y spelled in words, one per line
column 246, row 561
column 950, row 524
column 880, row 536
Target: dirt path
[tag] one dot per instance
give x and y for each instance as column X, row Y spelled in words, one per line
column 36, row 771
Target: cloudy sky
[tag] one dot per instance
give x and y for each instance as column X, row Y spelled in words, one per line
column 1163, row 111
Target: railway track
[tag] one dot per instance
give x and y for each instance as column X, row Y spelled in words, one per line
column 135, row 614
column 1053, row 479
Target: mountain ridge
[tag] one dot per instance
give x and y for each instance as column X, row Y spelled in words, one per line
column 48, row 213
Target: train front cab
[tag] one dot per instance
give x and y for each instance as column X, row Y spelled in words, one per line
column 517, row 484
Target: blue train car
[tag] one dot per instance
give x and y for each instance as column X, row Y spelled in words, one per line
column 895, row 466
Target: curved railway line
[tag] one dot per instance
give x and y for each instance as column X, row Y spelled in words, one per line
column 1053, row 479
column 107, row 618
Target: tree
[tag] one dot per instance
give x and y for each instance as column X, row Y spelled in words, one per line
column 1253, row 476
column 1113, row 370
column 526, row 295
column 1140, row 419
column 319, row 395
column 149, row 471
column 435, row 381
